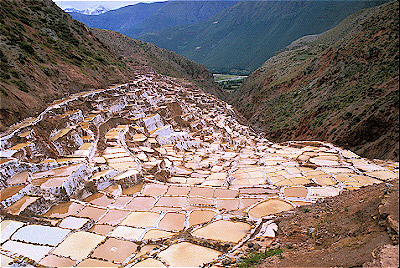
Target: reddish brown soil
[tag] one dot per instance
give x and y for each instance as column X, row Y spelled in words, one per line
column 339, row 231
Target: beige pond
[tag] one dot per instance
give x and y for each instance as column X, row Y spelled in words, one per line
column 247, row 202
column 121, row 201
column 141, row 219
column 114, row 216
column 101, row 229
column 149, row 263
column 269, row 207
column 324, row 181
column 18, row 178
column 223, row 230
column 73, row 247
column 154, row 189
column 141, row 203
column 133, row 189
column 300, row 181
column 323, row 162
column 200, row 216
column 21, row 205
column 178, row 190
column 96, row 263
column 115, row 250
column 10, row 191
column 295, row 192
column 212, row 183
column 156, row 234
column 172, row 201
column 365, row 180
column 92, row 212
column 55, row 261
column 202, row 191
column 383, row 174
column 63, row 209
column 172, row 221
column 225, row 193
column 127, row 232
column 185, row 254
column 228, row 204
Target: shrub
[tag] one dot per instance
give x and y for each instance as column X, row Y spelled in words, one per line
column 21, row 85
column 255, row 258
column 27, row 48
column 15, row 73
column 100, row 59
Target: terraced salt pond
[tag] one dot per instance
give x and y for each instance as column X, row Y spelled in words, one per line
column 152, row 173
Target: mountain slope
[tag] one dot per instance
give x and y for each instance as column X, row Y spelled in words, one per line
column 240, row 38
column 340, row 86
column 139, row 53
column 145, row 18
column 46, row 55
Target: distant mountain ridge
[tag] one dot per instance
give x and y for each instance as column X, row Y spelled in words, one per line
column 226, row 36
column 142, row 18
column 240, row 38
column 341, row 86
column 95, row 10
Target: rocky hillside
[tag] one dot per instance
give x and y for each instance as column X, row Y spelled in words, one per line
column 45, row 55
column 341, row 86
column 356, row 229
column 138, row 53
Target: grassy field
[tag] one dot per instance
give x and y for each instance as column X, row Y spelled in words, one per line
column 226, row 77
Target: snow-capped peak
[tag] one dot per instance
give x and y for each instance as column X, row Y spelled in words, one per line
column 95, row 10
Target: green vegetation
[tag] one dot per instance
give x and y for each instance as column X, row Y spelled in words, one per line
column 231, row 84
column 234, row 42
column 229, row 81
column 221, row 34
column 221, row 77
column 255, row 257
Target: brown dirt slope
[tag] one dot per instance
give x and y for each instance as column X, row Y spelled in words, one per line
column 340, row 86
column 46, row 55
column 348, row 230
column 139, row 53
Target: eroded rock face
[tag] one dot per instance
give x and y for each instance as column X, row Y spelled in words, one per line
column 151, row 174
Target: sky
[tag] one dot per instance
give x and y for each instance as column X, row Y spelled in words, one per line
column 78, row 4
